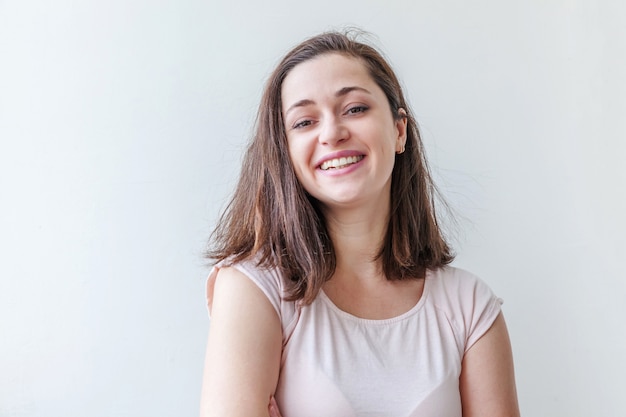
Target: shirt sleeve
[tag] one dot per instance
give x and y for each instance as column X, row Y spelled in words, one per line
column 269, row 282
column 480, row 307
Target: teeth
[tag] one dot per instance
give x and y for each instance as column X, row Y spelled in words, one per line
column 340, row 162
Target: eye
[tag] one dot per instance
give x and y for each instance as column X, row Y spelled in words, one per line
column 302, row 123
column 357, row 109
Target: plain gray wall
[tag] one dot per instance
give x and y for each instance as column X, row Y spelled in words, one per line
column 122, row 125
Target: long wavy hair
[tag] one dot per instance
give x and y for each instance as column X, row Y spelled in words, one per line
column 272, row 219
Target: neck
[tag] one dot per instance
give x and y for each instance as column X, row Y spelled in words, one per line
column 357, row 235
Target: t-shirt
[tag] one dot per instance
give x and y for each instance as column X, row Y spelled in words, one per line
column 335, row 364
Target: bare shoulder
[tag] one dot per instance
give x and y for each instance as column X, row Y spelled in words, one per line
column 230, row 281
column 487, row 377
column 243, row 348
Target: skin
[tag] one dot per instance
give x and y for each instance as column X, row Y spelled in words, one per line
column 332, row 107
column 487, row 381
column 243, row 350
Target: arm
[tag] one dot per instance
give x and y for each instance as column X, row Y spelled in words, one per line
column 243, row 349
column 487, row 380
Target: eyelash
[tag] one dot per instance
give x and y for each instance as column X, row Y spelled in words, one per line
column 361, row 109
column 302, row 124
column 350, row 111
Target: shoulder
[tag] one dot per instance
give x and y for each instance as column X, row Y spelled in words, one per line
column 467, row 301
column 456, row 286
column 268, row 280
column 243, row 348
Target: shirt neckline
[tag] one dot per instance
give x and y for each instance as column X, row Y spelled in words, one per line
column 418, row 305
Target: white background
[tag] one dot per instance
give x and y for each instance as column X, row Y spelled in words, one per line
column 122, row 124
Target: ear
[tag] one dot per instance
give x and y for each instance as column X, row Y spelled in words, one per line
column 401, row 127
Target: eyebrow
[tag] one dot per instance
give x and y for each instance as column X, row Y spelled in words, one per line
column 340, row 93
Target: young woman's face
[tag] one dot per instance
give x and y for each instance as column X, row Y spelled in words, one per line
column 341, row 134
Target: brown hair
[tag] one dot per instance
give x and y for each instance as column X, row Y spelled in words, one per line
column 273, row 219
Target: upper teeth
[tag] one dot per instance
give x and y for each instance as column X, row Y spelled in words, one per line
column 340, row 162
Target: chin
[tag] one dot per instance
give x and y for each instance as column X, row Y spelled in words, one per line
column 342, row 201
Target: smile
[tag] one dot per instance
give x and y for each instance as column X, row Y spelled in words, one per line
column 340, row 162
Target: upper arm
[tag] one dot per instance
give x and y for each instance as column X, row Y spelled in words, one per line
column 243, row 349
column 487, row 379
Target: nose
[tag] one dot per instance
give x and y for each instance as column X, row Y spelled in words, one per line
column 333, row 131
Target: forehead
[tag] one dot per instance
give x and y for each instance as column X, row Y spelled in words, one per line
column 324, row 74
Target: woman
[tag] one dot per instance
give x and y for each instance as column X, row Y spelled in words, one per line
column 331, row 295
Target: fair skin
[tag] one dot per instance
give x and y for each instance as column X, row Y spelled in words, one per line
column 332, row 110
column 243, row 350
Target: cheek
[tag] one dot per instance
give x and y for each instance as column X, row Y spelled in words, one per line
column 388, row 144
column 299, row 156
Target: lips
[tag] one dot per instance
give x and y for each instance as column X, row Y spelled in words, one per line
column 341, row 162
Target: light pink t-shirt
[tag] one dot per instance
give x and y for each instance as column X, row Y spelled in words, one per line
column 335, row 364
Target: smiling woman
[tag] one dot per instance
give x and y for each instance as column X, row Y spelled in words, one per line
column 342, row 136
column 331, row 293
